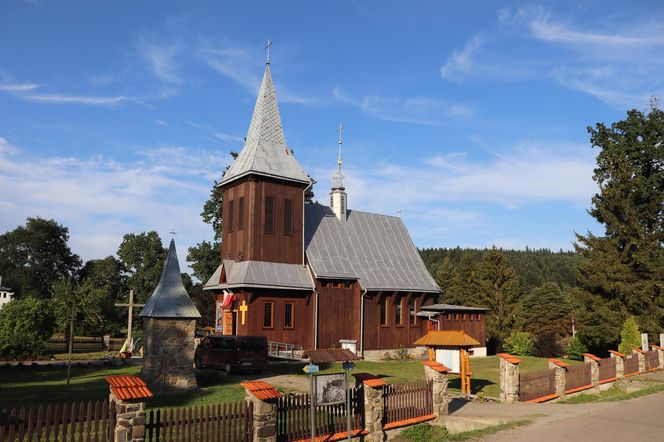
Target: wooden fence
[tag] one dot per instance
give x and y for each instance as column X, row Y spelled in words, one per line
column 607, row 369
column 577, row 377
column 631, row 364
column 652, row 359
column 537, row 384
column 219, row 422
column 67, row 422
column 293, row 416
column 407, row 401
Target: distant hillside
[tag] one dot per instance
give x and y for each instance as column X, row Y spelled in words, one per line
column 534, row 267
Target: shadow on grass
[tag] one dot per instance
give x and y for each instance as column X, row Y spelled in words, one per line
column 476, row 385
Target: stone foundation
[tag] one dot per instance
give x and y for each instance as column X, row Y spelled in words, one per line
column 168, row 357
column 380, row 355
column 129, row 420
column 509, row 378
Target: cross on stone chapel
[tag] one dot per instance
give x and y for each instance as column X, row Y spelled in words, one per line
column 310, row 274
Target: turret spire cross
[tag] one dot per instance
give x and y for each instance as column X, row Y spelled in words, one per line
column 267, row 51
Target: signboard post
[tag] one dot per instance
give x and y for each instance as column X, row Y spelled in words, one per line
column 311, row 370
column 347, row 366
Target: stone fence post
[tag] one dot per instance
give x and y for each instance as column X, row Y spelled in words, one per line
column 640, row 354
column 561, row 376
column 594, row 369
column 620, row 363
column 437, row 374
column 509, row 378
column 128, row 394
column 374, row 408
column 660, row 354
column 263, row 397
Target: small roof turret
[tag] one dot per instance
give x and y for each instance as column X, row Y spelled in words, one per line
column 170, row 299
column 265, row 151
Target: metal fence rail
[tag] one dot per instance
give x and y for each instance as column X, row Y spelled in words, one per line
column 631, row 364
column 607, row 369
column 652, row 359
column 407, row 401
column 578, row 376
column 537, row 384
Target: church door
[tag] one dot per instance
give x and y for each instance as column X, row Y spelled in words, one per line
column 229, row 322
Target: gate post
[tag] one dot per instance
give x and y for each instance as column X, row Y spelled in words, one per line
column 509, row 378
column 594, row 369
column 374, row 407
column 264, row 399
column 620, row 363
column 660, row 355
column 436, row 373
column 640, row 354
column 561, row 376
column 128, row 394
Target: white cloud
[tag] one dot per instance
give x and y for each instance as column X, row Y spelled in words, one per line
column 418, row 110
column 18, row 87
column 75, row 99
column 101, row 199
column 461, row 62
column 228, row 138
column 161, row 58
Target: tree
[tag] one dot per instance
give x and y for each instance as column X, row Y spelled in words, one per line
column 105, row 284
column 630, row 336
column 520, row 343
column 445, row 276
column 143, row 257
column 625, row 266
column 497, row 288
column 576, row 349
column 25, row 326
column 204, row 258
column 34, row 256
column 546, row 313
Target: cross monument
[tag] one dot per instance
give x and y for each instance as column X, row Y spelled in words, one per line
column 130, row 315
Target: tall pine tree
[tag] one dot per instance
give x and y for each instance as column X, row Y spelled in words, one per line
column 625, row 266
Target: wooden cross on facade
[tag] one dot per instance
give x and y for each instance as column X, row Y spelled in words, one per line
column 243, row 310
column 130, row 314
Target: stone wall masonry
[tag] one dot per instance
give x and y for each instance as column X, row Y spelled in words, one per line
column 660, row 354
column 441, row 398
column 594, row 370
column 561, row 377
column 129, row 420
column 168, row 358
column 265, row 418
column 620, row 363
column 373, row 413
column 509, row 378
column 642, row 360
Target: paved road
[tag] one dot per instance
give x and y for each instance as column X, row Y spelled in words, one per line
column 634, row 420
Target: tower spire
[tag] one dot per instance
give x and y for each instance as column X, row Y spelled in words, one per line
column 338, row 192
column 267, row 51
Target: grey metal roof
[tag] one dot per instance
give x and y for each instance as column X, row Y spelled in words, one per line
column 260, row 274
column 452, row 308
column 170, row 299
column 376, row 249
column 265, row 151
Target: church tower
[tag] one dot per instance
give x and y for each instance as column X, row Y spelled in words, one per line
column 338, row 197
column 263, row 207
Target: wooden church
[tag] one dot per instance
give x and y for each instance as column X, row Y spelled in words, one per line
column 309, row 274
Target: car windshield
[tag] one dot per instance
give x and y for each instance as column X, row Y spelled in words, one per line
column 223, row 343
column 253, row 344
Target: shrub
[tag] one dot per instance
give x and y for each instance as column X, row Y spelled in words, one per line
column 520, row 343
column 25, row 326
column 576, row 349
column 630, row 337
column 424, row 433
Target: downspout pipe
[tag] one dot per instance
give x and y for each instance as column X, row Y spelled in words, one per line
column 364, row 292
column 430, row 317
column 315, row 318
column 304, row 198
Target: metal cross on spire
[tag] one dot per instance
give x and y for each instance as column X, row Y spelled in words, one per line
column 341, row 128
column 172, row 233
column 267, row 51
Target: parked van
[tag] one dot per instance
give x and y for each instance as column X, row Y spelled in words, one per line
column 232, row 353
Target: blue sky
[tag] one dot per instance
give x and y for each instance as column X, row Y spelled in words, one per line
column 469, row 117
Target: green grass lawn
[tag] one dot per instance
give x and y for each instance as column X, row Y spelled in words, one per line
column 36, row 385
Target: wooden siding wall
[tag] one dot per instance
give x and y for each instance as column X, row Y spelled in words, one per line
column 474, row 328
column 377, row 336
column 302, row 331
column 339, row 312
column 251, row 243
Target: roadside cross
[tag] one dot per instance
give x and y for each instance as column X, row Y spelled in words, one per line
column 130, row 314
column 243, row 310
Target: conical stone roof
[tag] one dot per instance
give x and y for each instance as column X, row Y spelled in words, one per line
column 265, row 152
column 170, row 299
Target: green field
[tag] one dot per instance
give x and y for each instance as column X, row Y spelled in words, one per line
column 36, row 385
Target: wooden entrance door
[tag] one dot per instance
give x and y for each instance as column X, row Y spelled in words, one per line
column 229, row 328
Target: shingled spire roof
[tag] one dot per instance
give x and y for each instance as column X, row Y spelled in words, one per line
column 265, row 152
column 170, row 299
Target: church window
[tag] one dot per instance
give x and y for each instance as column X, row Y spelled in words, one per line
column 331, row 202
column 231, row 215
column 268, row 314
column 457, row 316
column 343, row 204
column 450, row 316
column 240, row 214
column 384, row 313
column 289, row 314
column 398, row 314
column 288, row 217
column 269, row 215
column 465, row 317
column 413, row 311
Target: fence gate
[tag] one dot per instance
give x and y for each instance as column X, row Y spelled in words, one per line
column 293, row 418
column 407, row 401
column 217, row 422
column 79, row 421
